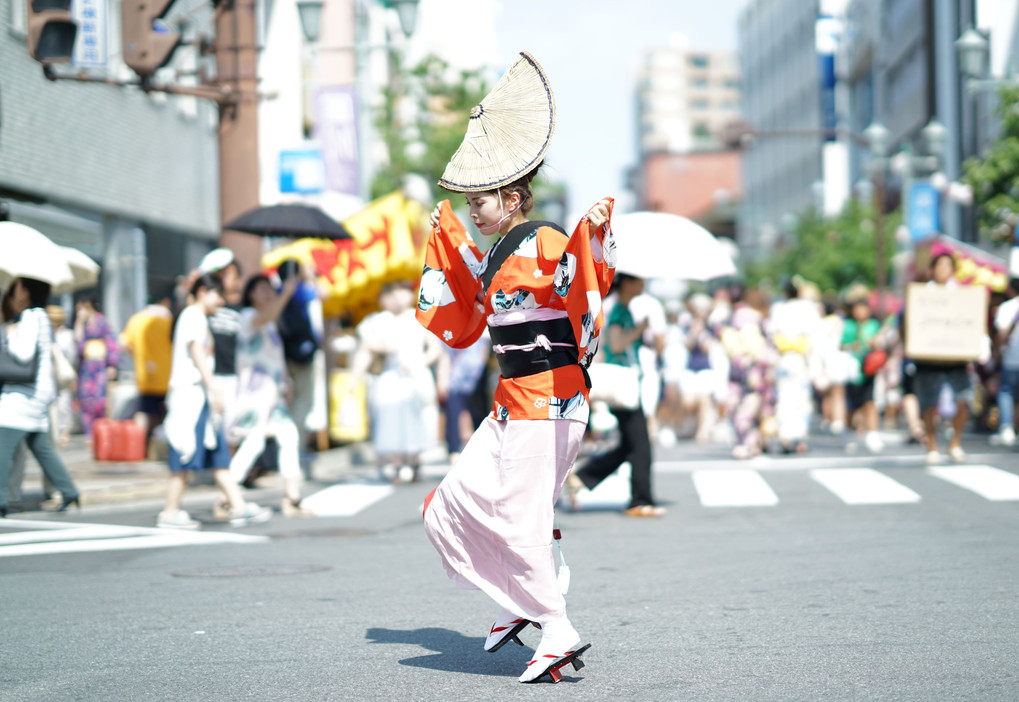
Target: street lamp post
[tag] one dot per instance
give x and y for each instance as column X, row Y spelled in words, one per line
column 924, row 165
column 310, row 14
column 878, row 137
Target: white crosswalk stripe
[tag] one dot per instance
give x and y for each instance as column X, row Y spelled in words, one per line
column 31, row 537
column 729, row 487
column 863, row 486
column 346, row 500
column 987, row 481
column 733, row 488
column 745, row 487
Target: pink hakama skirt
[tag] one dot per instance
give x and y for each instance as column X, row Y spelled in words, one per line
column 491, row 518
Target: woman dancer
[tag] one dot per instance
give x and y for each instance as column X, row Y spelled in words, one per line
column 540, row 294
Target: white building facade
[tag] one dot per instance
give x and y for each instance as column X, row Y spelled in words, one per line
column 782, row 174
column 686, row 98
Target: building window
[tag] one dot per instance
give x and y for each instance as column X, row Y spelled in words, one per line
column 701, row 131
column 699, row 105
column 699, row 83
column 699, row 61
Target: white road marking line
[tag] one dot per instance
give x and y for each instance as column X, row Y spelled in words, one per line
column 41, row 538
column 345, row 500
column 989, row 482
column 863, row 486
column 97, row 531
column 611, row 493
column 799, row 463
column 733, row 488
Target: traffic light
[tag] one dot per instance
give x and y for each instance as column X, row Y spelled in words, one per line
column 147, row 43
column 51, row 31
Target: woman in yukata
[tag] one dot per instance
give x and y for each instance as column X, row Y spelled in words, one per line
column 539, row 293
column 100, row 356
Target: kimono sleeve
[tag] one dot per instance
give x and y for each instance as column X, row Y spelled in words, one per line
column 449, row 299
column 582, row 278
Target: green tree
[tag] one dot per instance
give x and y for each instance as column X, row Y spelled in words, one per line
column 833, row 252
column 995, row 177
column 441, row 106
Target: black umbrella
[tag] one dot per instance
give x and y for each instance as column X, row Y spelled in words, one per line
column 289, row 220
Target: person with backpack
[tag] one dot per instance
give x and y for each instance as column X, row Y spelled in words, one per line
column 300, row 327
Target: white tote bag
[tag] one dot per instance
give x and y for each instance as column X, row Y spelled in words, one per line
column 615, row 385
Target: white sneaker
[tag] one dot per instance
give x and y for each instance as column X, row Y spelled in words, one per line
column 873, row 442
column 933, row 458
column 666, row 437
column 1007, row 436
column 251, row 514
column 176, row 520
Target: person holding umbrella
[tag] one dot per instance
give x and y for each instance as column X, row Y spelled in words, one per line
column 24, row 406
column 539, row 292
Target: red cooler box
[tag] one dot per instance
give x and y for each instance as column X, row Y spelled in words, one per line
column 117, row 440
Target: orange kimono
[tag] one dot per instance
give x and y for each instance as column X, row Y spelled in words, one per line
column 549, row 277
column 491, row 517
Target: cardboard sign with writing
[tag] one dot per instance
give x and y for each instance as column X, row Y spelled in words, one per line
column 945, row 323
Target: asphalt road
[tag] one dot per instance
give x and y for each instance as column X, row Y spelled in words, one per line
column 812, row 597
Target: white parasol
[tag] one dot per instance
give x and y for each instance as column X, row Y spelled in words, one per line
column 27, row 253
column 84, row 272
column 662, row 245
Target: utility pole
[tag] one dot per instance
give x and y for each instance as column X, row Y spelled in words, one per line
column 237, row 67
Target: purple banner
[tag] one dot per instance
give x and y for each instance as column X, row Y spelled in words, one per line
column 336, row 130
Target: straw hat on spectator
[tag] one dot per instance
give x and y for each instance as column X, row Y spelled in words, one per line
column 508, row 133
column 858, row 292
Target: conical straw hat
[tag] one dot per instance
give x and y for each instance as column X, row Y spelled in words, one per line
column 507, row 134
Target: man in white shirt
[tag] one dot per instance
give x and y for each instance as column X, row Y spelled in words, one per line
column 1006, row 322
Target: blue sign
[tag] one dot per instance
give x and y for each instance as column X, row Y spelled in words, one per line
column 302, row 171
column 90, row 41
column 828, row 31
column 924, row 211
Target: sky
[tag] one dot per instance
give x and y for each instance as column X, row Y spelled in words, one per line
column 590, row 51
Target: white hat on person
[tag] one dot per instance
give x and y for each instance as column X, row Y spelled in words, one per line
column 508, row 133
column 216, row 260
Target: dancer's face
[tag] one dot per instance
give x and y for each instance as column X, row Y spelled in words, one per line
column 487, row 212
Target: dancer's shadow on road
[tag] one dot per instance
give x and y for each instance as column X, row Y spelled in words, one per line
column 454, row 652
